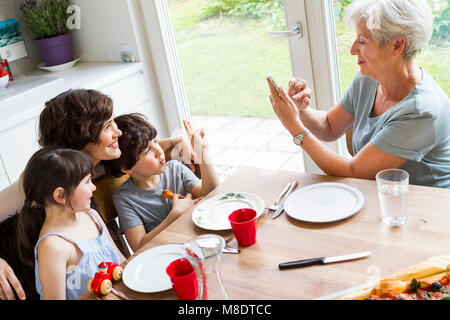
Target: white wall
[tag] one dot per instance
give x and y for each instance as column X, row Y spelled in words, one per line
column 105, row 26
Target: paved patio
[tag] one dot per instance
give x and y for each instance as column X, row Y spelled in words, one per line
column 252, row 142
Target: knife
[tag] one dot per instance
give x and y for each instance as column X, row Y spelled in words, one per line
column 230, row 250
column 322, row 260
column 274, row 206
column 281, row 206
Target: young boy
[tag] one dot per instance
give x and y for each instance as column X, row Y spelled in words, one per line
column 142, row 211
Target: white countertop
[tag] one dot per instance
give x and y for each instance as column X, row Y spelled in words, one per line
column 26, row 96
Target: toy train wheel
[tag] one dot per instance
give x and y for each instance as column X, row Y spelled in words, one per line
column 117, row 273
column 105, row 287
column 89, row 286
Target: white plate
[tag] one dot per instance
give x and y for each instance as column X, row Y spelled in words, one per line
column 59, row 67
column 4, row 81
column 324, row 202
column 213, row 213
column 147, row 271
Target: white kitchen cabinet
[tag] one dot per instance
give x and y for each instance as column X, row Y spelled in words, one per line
column 2, row 168
column 17, row 146
column 4, row 181
column 155, row 118
column 127, row 93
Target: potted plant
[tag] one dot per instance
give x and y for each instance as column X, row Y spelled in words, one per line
column 47, row 20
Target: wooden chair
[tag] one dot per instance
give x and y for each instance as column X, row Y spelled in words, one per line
column 349, row 141
column 106, row 185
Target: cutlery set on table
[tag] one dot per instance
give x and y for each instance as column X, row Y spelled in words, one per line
column 278, row 205
column 277, row 208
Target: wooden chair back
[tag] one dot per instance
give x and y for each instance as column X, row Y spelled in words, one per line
column 349, row 141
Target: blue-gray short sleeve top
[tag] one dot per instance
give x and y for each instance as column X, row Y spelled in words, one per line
column 137, row 206
column 417, row 128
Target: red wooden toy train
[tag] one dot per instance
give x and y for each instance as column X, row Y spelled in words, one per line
column 102, row 281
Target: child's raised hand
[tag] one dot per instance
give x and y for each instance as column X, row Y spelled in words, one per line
column 198, row 140
column 180, row 206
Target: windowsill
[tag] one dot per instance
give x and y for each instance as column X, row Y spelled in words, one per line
column 26, row 96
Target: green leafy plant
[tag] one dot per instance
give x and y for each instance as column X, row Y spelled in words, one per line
column 252, row 9
column 46, row 18
column 343, row 4
column 217, row 7
column 441, row 26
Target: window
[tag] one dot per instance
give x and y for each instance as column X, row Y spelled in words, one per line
column 225, row 53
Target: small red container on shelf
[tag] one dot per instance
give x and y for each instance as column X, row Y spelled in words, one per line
column 5, row 65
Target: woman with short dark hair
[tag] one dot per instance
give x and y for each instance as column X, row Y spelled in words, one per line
column 81, row 120
column 70, row 118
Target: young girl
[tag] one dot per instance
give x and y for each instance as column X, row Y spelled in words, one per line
column 57, row 230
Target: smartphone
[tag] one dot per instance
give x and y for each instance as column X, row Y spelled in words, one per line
column 269, row 75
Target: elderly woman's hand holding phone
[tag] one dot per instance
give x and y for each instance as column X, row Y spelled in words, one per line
column 284, row 107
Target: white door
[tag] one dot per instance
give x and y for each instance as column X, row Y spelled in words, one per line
column 312, row 56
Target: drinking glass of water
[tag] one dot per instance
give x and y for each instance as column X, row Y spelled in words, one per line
column 393, row 194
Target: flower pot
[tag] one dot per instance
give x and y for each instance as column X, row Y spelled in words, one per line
column 56, row 50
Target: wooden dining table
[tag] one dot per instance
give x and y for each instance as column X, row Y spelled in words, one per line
column 253, row 274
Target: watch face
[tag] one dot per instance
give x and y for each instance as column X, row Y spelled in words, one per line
column 299, row 138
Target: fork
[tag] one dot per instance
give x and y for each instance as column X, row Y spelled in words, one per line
column 275, row 205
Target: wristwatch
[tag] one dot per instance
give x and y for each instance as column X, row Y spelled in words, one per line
column 298, row 139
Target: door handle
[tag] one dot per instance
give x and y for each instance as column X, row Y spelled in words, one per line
column 295, row 32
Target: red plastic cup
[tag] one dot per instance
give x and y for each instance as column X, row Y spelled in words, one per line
column 183, row 278
column 243, row 223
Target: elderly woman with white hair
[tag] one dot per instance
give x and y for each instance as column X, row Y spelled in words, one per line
column 399, row 114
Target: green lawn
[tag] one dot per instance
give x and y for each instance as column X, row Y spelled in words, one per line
column 225, row 61
column 224, row 65
column 437, row 62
